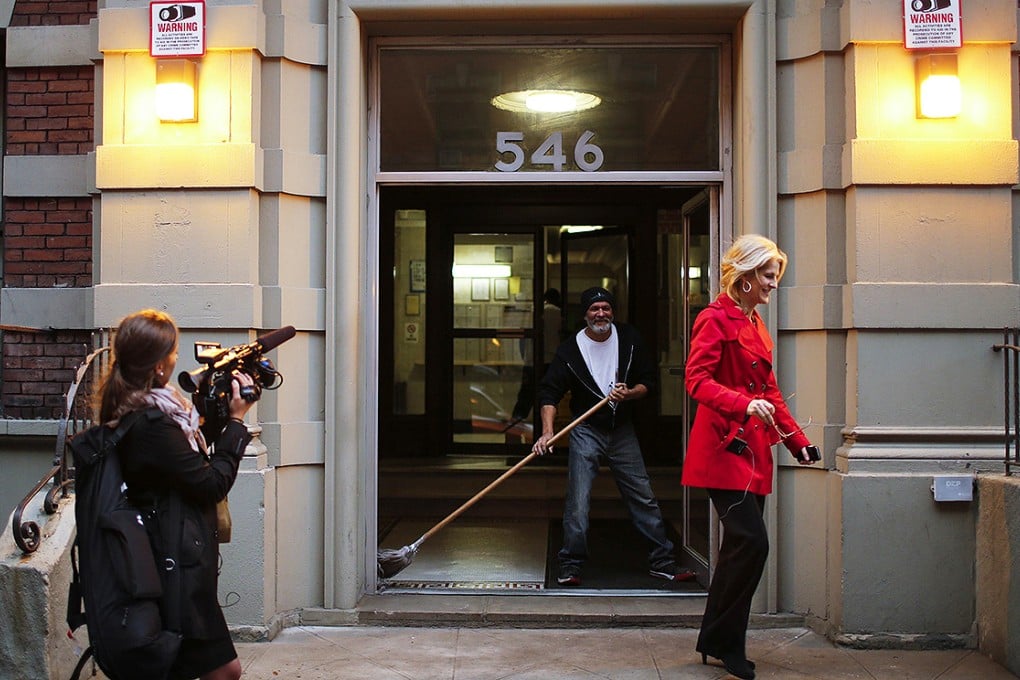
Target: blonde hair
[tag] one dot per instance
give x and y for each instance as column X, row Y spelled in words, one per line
column 749, row 253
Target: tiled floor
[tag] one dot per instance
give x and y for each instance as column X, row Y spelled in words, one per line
column 460, row 653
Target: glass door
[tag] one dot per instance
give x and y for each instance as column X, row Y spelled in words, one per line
column 595, row 256
column 689, row 254
column 493, row 336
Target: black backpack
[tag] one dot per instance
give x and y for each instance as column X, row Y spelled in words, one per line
column 116, row 571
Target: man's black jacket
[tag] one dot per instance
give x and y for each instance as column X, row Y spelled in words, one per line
column 568, row 372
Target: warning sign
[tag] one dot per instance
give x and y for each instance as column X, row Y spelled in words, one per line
column 929, row 24
column 177, row 29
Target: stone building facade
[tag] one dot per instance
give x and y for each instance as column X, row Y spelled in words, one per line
column 271, row 211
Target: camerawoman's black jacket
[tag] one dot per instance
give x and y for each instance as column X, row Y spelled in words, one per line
column 569, row 373
column 158, row 461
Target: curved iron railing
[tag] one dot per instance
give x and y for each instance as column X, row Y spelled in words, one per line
column 76, row 417
column 1011, row 385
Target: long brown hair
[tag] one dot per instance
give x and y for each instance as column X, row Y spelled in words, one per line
column 142, row 339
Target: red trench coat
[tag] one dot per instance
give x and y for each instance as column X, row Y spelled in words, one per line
column 730, row 363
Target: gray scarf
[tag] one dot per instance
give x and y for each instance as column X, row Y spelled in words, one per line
column 168, row 400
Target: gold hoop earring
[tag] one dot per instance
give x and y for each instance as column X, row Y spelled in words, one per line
column 745, row 286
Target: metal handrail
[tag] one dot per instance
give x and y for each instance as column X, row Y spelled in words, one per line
column 1011, row 400
column 76, row 417
column 12, row 328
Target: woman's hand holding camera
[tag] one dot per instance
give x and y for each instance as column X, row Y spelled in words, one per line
column 239, row 406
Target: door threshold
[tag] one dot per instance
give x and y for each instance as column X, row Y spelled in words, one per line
column 550, row 610
column 527, row 589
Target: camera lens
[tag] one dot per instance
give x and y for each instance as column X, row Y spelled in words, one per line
column 173, row 12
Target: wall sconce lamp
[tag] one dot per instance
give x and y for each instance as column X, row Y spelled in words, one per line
column 176, row 84
column 938, row 86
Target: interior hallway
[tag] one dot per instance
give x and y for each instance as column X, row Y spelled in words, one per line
column 509, row 555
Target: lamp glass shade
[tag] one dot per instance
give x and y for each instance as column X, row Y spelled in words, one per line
column 546, row 101
column 938, row 86
column 940, row 96
column 175, row 91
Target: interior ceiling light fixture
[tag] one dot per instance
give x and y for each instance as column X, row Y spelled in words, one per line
column 579, row 228
column 546, row 101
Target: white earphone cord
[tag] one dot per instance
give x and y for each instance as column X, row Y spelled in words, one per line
column 746, row 489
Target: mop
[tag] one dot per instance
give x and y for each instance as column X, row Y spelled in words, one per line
column 392, row 562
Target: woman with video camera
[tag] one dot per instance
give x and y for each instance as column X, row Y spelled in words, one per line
column 165, row 453
column 740, row 416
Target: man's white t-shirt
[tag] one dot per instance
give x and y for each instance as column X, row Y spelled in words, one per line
column 601, row 358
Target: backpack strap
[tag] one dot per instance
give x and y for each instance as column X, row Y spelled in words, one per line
column 164, row 519
column 75, row 613
column 125, row 424
column 85, row 656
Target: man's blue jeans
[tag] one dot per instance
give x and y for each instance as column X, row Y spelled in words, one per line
column 621, row 450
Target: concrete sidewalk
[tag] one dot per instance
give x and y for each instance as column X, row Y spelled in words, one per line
column 632, row 653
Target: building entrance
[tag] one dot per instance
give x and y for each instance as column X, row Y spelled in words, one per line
column 480, row 285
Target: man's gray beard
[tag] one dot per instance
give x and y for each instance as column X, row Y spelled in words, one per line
column 609, row 327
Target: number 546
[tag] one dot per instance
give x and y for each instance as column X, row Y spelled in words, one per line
column 587, row 156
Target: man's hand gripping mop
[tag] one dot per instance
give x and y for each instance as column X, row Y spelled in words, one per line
column 392, row 562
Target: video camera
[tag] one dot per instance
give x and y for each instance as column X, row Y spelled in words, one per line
column 210, row 383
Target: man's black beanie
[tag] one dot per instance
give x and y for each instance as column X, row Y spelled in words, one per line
column 596, row 294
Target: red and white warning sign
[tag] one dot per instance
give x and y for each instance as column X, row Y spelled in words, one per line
column 929, row 24
column 177, row 29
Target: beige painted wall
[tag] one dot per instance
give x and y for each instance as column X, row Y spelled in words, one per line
column 902, row 237
column 222, row 223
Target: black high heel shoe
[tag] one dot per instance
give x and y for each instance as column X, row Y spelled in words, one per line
column 734, row 664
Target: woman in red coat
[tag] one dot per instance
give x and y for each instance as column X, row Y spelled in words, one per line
column 740, row 416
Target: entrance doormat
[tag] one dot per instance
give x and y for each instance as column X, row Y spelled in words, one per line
column 617, row 559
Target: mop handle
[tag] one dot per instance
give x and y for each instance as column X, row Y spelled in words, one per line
column 499, row 480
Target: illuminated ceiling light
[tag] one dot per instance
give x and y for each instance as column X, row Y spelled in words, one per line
column 546, row 101
column 938, row 86
column 176, row 81
column 694, row 272
column 579, row 228
column 481, row 271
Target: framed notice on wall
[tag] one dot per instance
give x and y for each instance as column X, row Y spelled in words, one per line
column 417, row 276
column 479, row 289
column 500, row 289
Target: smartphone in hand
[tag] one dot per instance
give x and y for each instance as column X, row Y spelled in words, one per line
column 813, row 454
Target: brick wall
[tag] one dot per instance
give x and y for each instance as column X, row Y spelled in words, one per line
column 57, row 13
column 38, row 369
column 47, row 240
column 50, row 111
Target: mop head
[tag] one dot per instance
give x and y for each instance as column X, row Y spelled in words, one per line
column 392, row 562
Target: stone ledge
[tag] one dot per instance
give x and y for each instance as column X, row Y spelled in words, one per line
column 997, row 582
column 14, row 427
column 907, row 641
